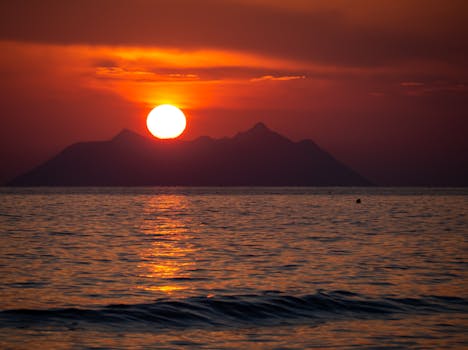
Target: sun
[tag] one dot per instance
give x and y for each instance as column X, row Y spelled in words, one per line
column 166, row 122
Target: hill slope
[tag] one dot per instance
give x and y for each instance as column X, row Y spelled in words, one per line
column 257, row 157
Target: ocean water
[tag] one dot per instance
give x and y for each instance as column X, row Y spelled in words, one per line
column 233, row 268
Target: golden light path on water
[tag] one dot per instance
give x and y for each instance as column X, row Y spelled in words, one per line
column 167, row 259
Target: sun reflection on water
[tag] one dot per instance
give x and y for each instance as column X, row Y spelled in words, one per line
column 167, row 262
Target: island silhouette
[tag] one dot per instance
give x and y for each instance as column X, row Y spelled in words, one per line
column 256, row 157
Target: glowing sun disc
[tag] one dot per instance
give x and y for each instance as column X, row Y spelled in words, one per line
column 166, row 122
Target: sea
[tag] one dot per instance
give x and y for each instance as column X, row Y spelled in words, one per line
column 233, row 268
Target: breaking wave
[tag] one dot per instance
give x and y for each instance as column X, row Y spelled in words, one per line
column 268, row 308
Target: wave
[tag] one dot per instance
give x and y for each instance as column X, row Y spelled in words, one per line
column 268, row 308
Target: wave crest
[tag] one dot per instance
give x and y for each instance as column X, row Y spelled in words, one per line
column 234, row 310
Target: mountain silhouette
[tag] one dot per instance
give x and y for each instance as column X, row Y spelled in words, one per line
column 256, row 157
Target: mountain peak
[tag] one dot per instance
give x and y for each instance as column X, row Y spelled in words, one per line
column 260, row 132
column 260, row 126
column 256, row 157
column 127, row 135
column 124, row 133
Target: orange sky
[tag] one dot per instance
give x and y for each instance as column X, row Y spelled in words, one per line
column 383, row 86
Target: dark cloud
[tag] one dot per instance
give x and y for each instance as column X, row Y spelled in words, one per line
column 327, row 36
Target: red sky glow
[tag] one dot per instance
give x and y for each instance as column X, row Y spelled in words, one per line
column 383, row 86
